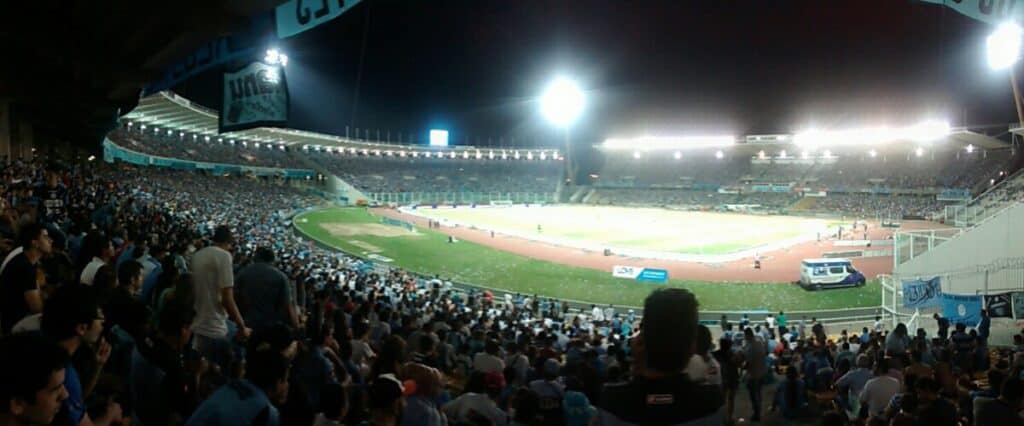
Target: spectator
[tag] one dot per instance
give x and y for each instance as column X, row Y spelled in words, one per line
column 943, row 325
column 32, row 380
column 791, row 395
column 213, row 281
column 488, row 361
column 251, row 400
column 550, row 392
column 1002, row 410
column 101, row 250
column 420, row 406
column 385, row 400
column 877, row 392
column 755, row 362
column 163, row 385
column 729, row 363
column 478, row 403
column 72, row 317
column 333, row 405
column 19, row 291
column 659, row 391
column 264, row 295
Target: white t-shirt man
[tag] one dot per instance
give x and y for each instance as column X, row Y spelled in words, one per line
column 878, row 392
column 211, row 272
column 89, row 273
column 598, row 314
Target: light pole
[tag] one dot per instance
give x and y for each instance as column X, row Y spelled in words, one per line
column 561, row 104
column 1003, row 50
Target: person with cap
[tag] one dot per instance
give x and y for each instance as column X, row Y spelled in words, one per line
column 213, row 285
column 479, row 401
column 578, row 411
column 264, row 294
column 660, row 392
column 386, row 401
column 422, row 387
column 550, row 392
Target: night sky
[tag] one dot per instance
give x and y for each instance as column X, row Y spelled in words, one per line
column 476, row 67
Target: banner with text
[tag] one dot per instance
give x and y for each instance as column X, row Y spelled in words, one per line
column 988, row 11
column 255, row 96
column 961, row 309
column 640, row 274
column 998, row 305
column 296, row 16
column 922, row 293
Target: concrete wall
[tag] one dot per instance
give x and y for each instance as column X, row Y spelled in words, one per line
column 1000, row 237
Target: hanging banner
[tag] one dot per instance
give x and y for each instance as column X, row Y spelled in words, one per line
column 961, row 309
column 255, row 96
column 998, row 305
column 922, row 293
column 988, row 11
column 296, row 16
column 1018, row 304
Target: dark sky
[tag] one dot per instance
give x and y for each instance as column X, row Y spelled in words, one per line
column 476, row 67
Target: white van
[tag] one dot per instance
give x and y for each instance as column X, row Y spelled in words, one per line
column 817, row 274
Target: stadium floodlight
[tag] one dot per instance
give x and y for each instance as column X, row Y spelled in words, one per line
column 827, row 154
column 529, row 155
column 719, row 154
column 671, row 142
column 490, row 155
column 873, row 153
column 760, row 154
column 636, row 154
column 1002, row 47
column 543, row 156
column 207, row 138
column 91, row 157
column 562, row 102
column 923, row 132
column 919, row 151
column 517, row 155
column 504, row 155
column 782, row 154
column 143, row 127
column 970, row 148
column 677, row 155
column 274, row 57
column 804, row 154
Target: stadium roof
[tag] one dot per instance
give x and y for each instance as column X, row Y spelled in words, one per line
column 167, row 110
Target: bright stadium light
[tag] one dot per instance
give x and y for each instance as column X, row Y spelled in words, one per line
column 782, row 154
column 274, row 57
column 562, row 102
column 678, row 155
column 636, row 154
column 804, row 154
column 873, row 153
column 919, row 151
column 1002, row 47
column 760, row 154
column 719, row 154
column 970, row 148
column 827, row 154
column 925, row 131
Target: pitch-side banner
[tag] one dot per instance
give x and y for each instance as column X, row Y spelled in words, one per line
column 296, row 16
column 255, row 96
column 989, row 11
column 650, row 275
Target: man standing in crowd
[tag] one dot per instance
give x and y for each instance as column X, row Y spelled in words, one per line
column 660, row 392
column 32, row 378
column 755, row 355
column 102, row 251
column 264, row 296
column 879, row 390
column 19, row 290
column 943, row 324
column 213, row 283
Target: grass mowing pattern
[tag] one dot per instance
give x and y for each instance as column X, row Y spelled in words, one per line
column 430, row 253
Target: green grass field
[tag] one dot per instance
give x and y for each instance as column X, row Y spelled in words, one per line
column 354, row 231
column 638, row 228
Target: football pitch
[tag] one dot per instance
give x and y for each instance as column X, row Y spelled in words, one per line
column 647, row 229
column 357, row 232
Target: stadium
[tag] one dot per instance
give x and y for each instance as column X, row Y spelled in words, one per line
column 190, row 223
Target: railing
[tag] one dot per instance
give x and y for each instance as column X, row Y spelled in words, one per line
column 973, row 212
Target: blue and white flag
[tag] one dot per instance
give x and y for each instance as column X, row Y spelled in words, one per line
column 961, row 309
column 922, row 293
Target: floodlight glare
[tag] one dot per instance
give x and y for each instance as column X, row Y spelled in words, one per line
column 562, row 102
column 873, row 153
column 678, row 155
column 719, row 154
column 1003, row 46
column 274, row 57
column 919, row 151
column 636, row 154
column 970, row 148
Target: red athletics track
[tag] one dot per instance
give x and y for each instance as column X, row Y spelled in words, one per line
column 776, row 266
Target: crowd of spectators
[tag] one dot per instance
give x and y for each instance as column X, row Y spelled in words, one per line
column 212, row 150
column 867, row 205
column 172, row 297
column 372, row 174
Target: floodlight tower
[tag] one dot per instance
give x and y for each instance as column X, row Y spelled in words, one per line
column 561, row 104
column 1003, row 50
